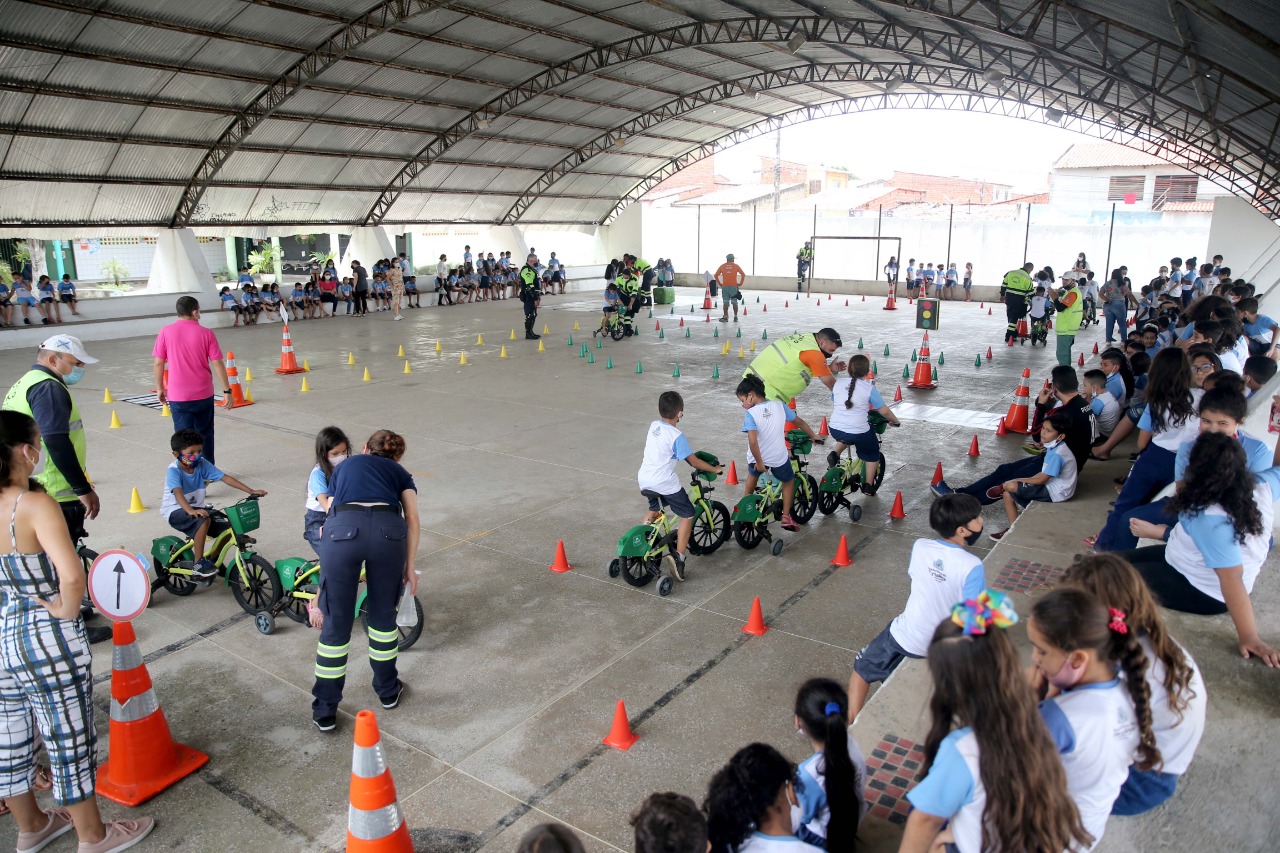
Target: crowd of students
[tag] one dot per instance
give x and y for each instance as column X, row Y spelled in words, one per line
column 47, row 299
column 925, row 279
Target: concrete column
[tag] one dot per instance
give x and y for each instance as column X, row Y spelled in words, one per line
column 233, row 264
column 39, row 263
column 278, row 267
column 368, row 244
column 335, row 243
column 179, row 265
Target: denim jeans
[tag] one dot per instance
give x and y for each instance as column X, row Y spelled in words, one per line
column 1117, row 313
column 1150, row 473
column 1028, row 467
column 196, row 415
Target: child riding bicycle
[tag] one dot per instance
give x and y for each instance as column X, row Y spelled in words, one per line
column 612, row 303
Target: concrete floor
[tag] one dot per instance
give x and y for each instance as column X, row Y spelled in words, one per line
column 514, row 681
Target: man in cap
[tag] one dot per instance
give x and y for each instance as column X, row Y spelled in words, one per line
column 42, row 392
column 787, row 364
column 730, row 278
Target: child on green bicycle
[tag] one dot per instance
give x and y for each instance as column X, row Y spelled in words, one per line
column 766, row 424
column 853, row 397
column 612, row 301
column 183, row 502
column 664, row 447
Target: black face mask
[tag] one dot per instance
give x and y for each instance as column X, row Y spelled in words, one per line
column 971, row 537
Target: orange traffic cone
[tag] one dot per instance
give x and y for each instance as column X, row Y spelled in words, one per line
column 143, row 758
column 973, row 446
column 233, row 379
column 923, row 377
column 822, row 429
column 1000, row 430
column 1095, row 348
column 897, row 511
column 706, row 299
column 1081, row 362
column 792, row 405
column 1017, row 420
column 288, row 361
column 842, row 553
column 897, row 394
column 937, row 475
column 891, row 303
column 755, row 622
column 732, row 478
column 657, row 327
column 561, row 563
column 375, row 823
column 620, row 734
column 1024, row 328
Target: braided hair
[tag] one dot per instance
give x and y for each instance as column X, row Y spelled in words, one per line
column 859, row 368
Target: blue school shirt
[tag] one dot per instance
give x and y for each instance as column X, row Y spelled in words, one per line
column 246, row 279
column 228, row 299
column 1115, row 384
column 951, row 275
column 344, row 289
column 1260, row 329
column 1256, row 452
column 317, row 484
column 67, row 287
column 769, row 419
column 192, row 484
column 929, row 275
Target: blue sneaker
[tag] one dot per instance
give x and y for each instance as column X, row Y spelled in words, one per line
column 205, row 570
column 941, row 488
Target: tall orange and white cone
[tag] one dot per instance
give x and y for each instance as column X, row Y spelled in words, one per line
column 375, row 823
column 143, row 758
column 288, row 361
column 1019, row 417
column 924, row 373
column 233, row 379
column 891, row 304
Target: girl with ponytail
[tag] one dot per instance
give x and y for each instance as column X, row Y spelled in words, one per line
column 990, row 766
column 832, row 779
column 852, row 398
column 1101, row 723
column 749, row 803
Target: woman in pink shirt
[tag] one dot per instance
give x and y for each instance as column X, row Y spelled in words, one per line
column 193, row 357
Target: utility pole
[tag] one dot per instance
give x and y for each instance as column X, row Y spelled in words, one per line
column 777, row 170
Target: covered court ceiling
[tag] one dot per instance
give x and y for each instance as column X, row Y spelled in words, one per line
column 355, row 112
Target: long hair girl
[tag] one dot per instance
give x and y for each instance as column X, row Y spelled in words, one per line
column 1218, row 473
column 1169, row 397
column 822, row 706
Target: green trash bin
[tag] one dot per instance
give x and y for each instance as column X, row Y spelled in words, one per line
column 664, row 295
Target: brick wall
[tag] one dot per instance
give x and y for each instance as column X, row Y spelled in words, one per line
column 943, row 190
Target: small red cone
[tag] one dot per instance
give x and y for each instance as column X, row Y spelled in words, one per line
column 1095, row 348
column 657, row 327
column 765, row 309
column 1081, row 362
column 989, row 354
column 897, row 395
column 842, row 553
column 755, row 622
column 897, row 511
column 1000, row 430
column 988, row 312
column 682, row 321
column 846, row 303
column 793, row 404
column 744, row 310
column 786, row 303
column 823, row 430
column 1009, row 342
column 973, row 445
column 561, row 563
column 620, row 734
column 707, row 317
column 864, row 297
column 937, row 475
column 732, row 478
column 982, row 305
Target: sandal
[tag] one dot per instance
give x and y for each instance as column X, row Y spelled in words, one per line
column 1090, row 541
column 44, row 779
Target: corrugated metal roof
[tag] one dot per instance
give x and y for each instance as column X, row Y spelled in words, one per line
column 1102, row 155
column 533, row 85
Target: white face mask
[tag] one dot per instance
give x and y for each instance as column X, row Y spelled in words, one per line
column 334, row 459
column 37, row 464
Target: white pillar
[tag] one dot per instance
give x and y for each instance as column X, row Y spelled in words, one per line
column 368, row 244
column 179, row 265
column 278, row 267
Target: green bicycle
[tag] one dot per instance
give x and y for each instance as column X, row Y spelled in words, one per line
column 253, row 581
column 646, row 550
column 846, row 477
column 613, row 326
column 753, row 513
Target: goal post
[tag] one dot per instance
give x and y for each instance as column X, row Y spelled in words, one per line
column 875, row 276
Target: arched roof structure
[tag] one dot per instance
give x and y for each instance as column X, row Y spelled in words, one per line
column 325, row 113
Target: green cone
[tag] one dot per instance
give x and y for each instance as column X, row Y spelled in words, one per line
column 715, row 371
column 765, row 335
column 591, row 357
column 673, row 309
column 599, row 343
column 906, row 372
column 886, row 350
column 639, row 367
column 650, row 313
column 875, row 368
column 859, row 343
column 935, row 374
column 569, row 343
column 686, row 333
column 661, row 334
column 977, row 360
column 942, row 359
column 738, row 333
column 913, row 356
column 675, row 374
column 716, row 332
column 608, row 365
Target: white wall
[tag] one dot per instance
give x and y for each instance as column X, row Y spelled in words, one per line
column 137, row 253
column 1088, row 188
column 1248, row 241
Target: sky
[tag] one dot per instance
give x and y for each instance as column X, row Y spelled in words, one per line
column 937, row 142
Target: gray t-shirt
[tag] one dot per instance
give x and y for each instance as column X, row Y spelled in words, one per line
column 362, row 279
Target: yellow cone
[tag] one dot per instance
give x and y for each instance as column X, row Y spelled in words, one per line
column 367, row 378
column 248, row 394
column 463, row 359
column 115, row 420
column 503, row 354
column 107, row 398
column 438, row 347
column 305, row 386
column 575, row 325
column 400, row 353
column 164, row 411
column 541, row 348
column 306, row 366
column 351, row 358
column 135, row 503
column 479, row 340
column 248, row 375
column 545, row 329
column 406, row 366
column 753, row 346
column 513, row 335
column 741, row 354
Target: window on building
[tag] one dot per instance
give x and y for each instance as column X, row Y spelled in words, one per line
column 1123, row 185
column 1175, row 188
column 815, row 187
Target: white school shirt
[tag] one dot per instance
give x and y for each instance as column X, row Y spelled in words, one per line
column 758, row 842
column 769, row 419
column 1060, row 464
column 1172, row 436
column 812, row 813
column 1096, row 732
column 1176, row 739
column 1201, row 544
column 1230, row 360
column 1038, row 304
column 942, row 574
column 317, row 484
column 663, row 448
column 1107, row 408
column 865, row 398
column 954, row 790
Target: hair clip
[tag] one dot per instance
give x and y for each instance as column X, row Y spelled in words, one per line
column 990, row 609
column 1117, row 623
column 832, row 708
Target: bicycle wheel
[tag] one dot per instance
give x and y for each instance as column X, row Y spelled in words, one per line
column 747, row 534
column 616, row 331
column 409, row 635
column 635, row 572
column 828, row 502
column 707, row 535
column 804, row 503
column 263, row 588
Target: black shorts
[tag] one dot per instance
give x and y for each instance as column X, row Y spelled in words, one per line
column 783, row 473
column 187, row 524
column 556, row 278
column 678, row 501
column 880, row 657
column 67, row 298
column 865, row 444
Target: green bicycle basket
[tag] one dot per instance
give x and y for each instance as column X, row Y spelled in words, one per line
column 878, row 422
column 244, row 517
column 709, row 476
column 800, row 442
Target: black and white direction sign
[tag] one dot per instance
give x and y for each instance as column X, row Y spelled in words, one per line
column 119, row 585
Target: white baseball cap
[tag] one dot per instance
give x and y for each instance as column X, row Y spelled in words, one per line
column 69, row 345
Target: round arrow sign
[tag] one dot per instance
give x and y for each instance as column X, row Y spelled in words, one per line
column 120, row 585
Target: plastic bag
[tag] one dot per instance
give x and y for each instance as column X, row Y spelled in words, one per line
column 407, row 614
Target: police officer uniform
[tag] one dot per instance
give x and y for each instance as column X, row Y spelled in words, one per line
column 530, row 295
column 1016, row 290
column 804, row 257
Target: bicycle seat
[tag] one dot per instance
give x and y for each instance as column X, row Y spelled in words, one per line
column 650, row 493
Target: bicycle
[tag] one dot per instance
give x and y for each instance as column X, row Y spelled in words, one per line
column 613, row 326
column 646, row 549
column 752, row 514
column 299, row 577
column 847, row 476
column 253, row 581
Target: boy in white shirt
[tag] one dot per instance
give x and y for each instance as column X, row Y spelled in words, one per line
column 1039, row 305
column 1103, row 404
column 664, row 447
column 1056, row 481
column 765, row 424
column 942, row 572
